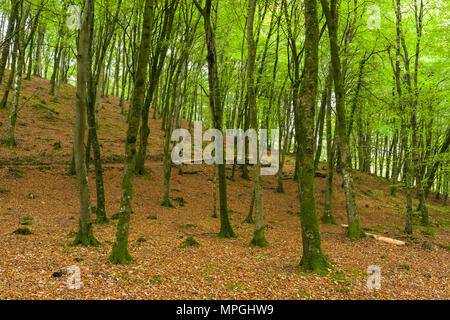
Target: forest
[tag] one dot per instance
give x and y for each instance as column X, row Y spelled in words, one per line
column 118, row 179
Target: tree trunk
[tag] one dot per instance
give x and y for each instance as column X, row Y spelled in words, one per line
column 216, row 108
column 313, row 258
column 38, row 59
column 259, row 238
column 354, row 229
column 85, row 235
column 13, row 16
column 120, row 254
column 327, row 217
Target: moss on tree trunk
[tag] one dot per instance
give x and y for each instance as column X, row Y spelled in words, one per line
column 120, row 254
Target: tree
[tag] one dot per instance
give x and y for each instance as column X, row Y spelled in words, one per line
column 312, row 258
column 120, row 254
column 331, row 14
column 85, row 235
column 15, row 5
column 258, row 236
column 216, row 109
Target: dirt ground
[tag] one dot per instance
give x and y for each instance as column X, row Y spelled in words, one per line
column 34, row 183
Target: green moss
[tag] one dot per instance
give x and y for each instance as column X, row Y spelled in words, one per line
column 71, row 234
column 39, row 106
column 166, row 203
column 141, row 240
column 180, row 201
column 155, row 280
column 355, row 232
column 316, row 263
column 427, row 246
column 405, row 267
column 249, row 220
column 233, row 286
column 85, row 238
column 339, row 275
column 152, row 217
column 57, row 146
column 23, row 231
column 427, row 231
column 115, row 216
column 16, row 172
column 327, row 218
column 190, row 242
column 259, row 239
column 4, row 190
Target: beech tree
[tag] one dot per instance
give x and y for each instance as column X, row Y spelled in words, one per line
column 85, row 234
column 120, row 253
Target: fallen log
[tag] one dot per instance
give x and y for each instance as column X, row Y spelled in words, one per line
column 383, row 239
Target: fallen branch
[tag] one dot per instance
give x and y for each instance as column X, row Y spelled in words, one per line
column 380, row 238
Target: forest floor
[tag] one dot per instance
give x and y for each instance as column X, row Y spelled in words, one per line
column 34, row 182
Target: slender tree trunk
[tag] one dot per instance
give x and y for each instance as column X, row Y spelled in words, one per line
column 354, row 229
column 13, row 16
column 155, row 73
column 38, row 62
column 327, row 216
column 318, row 133
column 259, row 238
column 12, row 117
column 85, row 235
column 214, row 191
column 12, row 73
column 120, row 254
column 216, row 108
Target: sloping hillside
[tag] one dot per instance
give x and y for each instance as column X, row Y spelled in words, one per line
column 35, row 187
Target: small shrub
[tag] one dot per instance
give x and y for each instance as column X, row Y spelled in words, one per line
column 427, row 246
